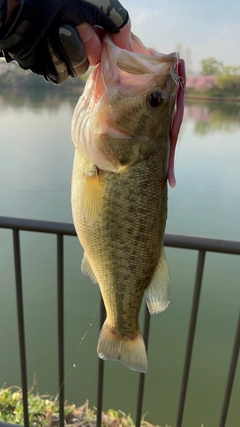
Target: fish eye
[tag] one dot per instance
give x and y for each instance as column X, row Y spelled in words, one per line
column 155, row 99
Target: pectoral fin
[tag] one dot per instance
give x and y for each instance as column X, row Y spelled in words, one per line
column 87, row 269
column 158, row 291
column 91, row 196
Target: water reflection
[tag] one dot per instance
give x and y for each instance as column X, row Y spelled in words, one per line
column 210, row 117
column 48, row 99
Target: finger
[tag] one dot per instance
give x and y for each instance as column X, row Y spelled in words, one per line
column 123, row 38
column 91, row 42
column 71, row 51
column 11, row 4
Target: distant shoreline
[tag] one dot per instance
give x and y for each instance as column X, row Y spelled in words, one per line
column 212, row 98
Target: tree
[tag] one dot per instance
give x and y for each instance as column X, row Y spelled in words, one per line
column 211, row 66
column 228, row 80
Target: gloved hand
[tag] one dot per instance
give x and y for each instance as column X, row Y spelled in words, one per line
column 41, row 35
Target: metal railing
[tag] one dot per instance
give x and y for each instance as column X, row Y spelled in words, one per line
column 202, row 245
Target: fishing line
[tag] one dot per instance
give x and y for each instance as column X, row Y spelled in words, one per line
column 80, row 343
column 90, row 325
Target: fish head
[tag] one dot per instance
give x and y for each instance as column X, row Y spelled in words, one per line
column 130, row 99
column 139, row 88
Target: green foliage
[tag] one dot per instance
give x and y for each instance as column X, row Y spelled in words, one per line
column 41, row 408
column 117, row 418
column 43, row 412
column 228, row 80
column 210, row 66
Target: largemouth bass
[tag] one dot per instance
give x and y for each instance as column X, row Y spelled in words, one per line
column 121, row 130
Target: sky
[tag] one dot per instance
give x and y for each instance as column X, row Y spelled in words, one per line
column 203, row 28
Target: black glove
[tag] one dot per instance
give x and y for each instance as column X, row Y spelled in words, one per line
column 41, row 35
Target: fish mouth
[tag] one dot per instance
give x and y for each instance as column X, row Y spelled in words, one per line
column 120, row 67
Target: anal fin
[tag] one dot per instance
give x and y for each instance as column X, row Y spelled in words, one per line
column 158, row 292
column 87, row 269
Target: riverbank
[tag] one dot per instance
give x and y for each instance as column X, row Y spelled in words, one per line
column 212, row 98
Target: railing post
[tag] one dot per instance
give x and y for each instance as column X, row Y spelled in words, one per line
column 21, row 329
column 191, row 333
column 100, row 371
column 60, row 294
column 142, row 376
column 231, row 374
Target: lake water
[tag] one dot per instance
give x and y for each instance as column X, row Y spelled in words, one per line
column 36, row 155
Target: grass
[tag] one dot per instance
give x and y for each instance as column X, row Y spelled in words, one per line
column 43, row 411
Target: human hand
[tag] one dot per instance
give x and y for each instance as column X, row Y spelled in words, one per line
column 41, row 35
column 92, row 40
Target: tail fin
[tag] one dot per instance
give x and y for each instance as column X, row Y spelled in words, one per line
column 131, row 352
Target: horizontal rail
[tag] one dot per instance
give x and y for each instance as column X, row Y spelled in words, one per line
column 3, row 424
column 202, row 244
column 170, row 240
column 36, row 225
